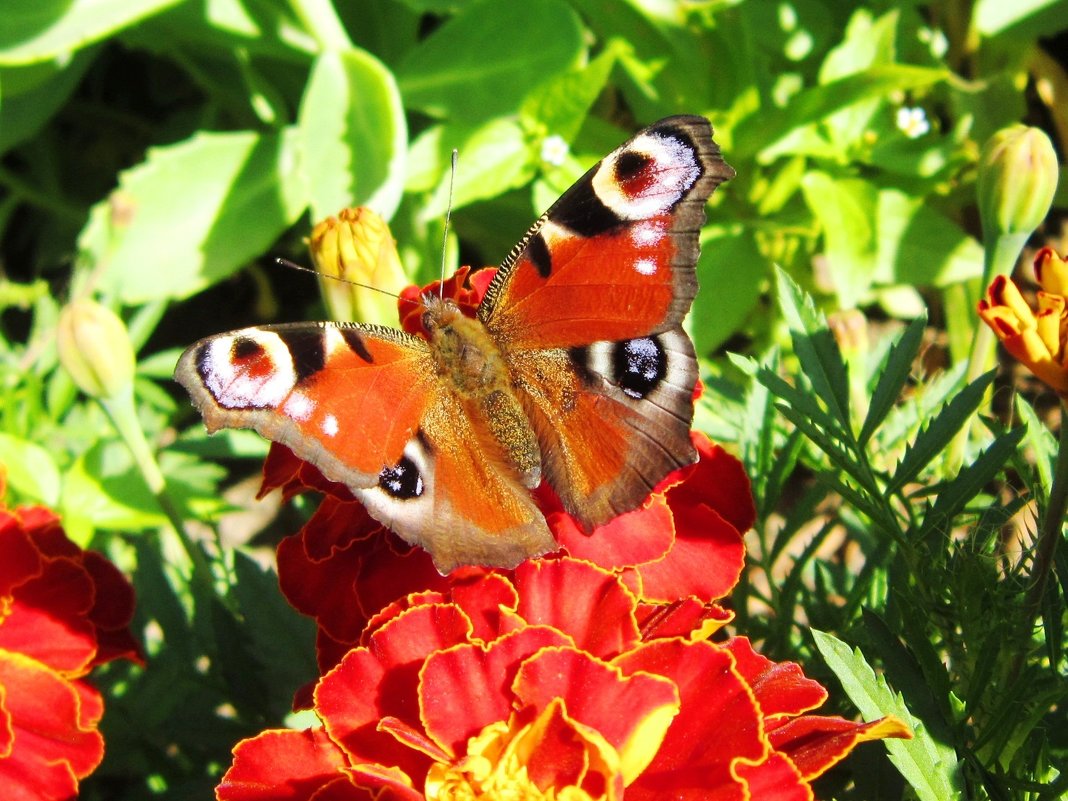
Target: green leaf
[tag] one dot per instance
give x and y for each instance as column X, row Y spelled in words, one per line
column 761, row 131
column 895, row 373
column 816, row 349
column 194, row 213
column 32, row 94
column 928, row 766
column 845, row 209
column 353, row 134
column 932, row 440
column 53, row 29
column 559, row 106
column 30, row 469
column 971, row 480
column 474, row 67
column 719, row 313
column 1041, row 441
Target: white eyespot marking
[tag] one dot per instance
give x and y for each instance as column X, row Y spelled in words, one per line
column 647, row 234
column 299, row 407
column 645, row 266
column 648, row 178
column 250, row 370
column 330, row 426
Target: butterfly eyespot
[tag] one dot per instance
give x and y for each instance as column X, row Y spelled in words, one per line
column 639, row 365
column 402, row 481
column 630, row 164
column 244, row 348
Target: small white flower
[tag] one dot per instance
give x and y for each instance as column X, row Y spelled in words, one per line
column 912, row 120
column 554, row 150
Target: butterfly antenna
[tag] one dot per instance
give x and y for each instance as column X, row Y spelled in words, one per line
column 448, row 216
column 292, row 265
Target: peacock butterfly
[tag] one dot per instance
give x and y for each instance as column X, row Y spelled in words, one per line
column 575, row 370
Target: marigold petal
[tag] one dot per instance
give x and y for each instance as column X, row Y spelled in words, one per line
column 22, row 560
column 382, row 782
column 1051, row 271
column 484, row 598
column 705, row 561
column 49, row 618
column 1004, row 293
column 781, row 688
column 631, row 712
column 1029, row 349
column 773, row 779
column 690, row 618
column 466, row 688
column 283, row 765
column 719, row 721
column 586, row 603
column 632, row 538
column 559, row 755
column 718, row 480
column 54, row 740
column 815, row 743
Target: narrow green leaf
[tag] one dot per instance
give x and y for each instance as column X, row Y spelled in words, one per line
column 928, row 766
column 932, row 440
column 798, row 399
column 959, row 492
column 895, row 373
column 815, row 347
column 353, row 134
column 239, row 192
column 53, row 29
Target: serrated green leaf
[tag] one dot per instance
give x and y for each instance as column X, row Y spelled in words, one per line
column 193, row 213
column 934, row 439
column 816, row 348
column 29, row 469
column 1041, row 441
column 895, row 373
column 52, row 29
column 959, row 492
column 928, row 766
column 353, row 133
column 474, row 68
column 797, row 399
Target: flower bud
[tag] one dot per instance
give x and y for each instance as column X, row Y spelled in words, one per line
column 357, row 246
column 1017, row 178
column 95, row 348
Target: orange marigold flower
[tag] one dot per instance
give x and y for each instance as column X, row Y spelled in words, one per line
column 542, row 684
column 63, row 611
column 1035, row 337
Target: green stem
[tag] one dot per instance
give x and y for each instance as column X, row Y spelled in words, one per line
column 319, row 18
column 1050, row 532
column 999, row 258
column 120, row 410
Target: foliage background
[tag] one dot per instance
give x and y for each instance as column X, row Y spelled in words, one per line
column 156, row 154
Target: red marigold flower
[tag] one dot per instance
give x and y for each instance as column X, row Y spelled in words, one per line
column 685, row 542
column 503, row 685
column 62, row 612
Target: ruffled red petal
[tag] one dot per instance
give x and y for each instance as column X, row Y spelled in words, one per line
column 285, row 765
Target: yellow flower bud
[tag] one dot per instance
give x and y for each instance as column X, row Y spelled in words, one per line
column 1017, row 179
column 95, row 349
column 357, row 246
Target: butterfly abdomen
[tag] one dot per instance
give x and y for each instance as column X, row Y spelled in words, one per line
column 470, row 361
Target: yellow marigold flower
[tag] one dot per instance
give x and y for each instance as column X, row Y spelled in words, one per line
column 357, row 246
column 1036, row 338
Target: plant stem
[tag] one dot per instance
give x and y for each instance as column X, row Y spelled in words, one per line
column 320, row 20
column 999, row 258
column 1050, row 532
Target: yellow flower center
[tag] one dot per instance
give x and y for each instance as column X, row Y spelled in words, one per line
column 502, row 761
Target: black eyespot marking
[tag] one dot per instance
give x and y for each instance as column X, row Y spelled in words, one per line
column 306, row 349
column 402, row 481
column 639, row 365
column 631, row 163
column 582, row 212
column 354, row 339
column 243, row 348
column 538, row 253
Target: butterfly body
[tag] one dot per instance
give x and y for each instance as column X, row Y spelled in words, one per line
column 575, row 370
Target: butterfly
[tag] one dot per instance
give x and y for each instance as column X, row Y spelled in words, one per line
column 575, row 370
